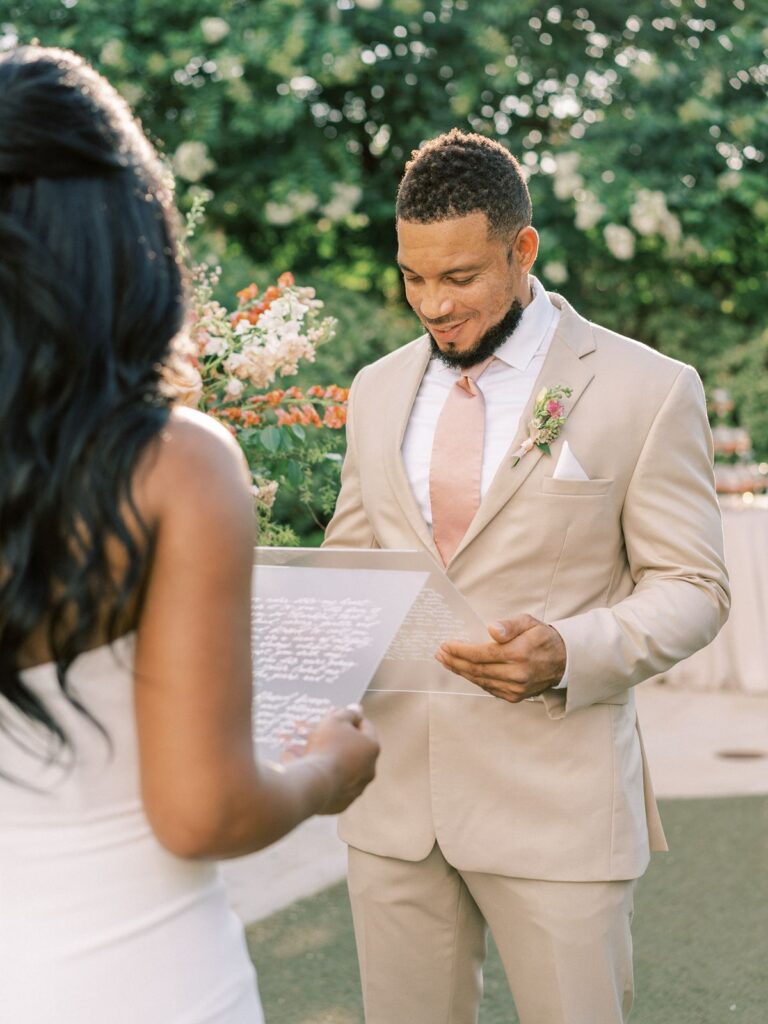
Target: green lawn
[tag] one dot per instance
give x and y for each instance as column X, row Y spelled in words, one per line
column 701, row 933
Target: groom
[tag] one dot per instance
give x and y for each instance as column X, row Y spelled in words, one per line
column 590, row 541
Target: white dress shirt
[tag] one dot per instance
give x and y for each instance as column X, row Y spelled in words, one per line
column 506, row 386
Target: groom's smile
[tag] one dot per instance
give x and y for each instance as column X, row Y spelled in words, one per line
column 462, row 282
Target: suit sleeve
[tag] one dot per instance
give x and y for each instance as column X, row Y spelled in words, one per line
column 674, row 545
column 349, row 527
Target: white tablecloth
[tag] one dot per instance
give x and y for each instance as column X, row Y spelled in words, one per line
column 738, row 657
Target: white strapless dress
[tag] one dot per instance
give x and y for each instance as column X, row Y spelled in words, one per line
column 98, row 923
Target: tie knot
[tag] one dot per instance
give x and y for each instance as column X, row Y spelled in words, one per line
column 468, row 378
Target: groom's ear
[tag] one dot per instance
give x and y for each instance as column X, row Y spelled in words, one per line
column 525, row 248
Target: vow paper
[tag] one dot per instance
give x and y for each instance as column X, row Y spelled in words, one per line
column 325, row 619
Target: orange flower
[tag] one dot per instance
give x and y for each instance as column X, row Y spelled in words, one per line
column 272, row 293
column 309, row 416
column 335, row 417
column 233, row 413
column 285, row 418
column 251, row 419
column 248, row 294
column 316, row 391
column 286, row 279
column 294, row 392
column 274, row 398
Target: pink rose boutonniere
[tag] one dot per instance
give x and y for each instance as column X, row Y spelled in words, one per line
column 547, row 422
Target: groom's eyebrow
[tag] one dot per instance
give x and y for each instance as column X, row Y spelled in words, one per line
column 466, row 269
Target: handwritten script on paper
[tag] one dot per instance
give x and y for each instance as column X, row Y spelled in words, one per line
column 430, row 622
column 318, row 636
column 310, row 640
column 324, row 621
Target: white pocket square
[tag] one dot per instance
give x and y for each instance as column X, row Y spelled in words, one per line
column 568, row 467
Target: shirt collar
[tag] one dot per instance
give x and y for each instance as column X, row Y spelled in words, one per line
column 522, row 345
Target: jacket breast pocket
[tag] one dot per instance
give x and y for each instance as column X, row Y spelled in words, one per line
column 575, row 488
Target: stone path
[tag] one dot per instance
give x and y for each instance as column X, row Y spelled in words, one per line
column 698, row 744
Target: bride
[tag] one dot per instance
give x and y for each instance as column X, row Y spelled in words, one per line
column 126, row 537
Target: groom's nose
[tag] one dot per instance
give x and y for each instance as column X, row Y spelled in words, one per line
column 435, row 305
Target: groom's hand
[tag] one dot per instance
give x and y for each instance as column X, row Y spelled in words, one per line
column 526, row 657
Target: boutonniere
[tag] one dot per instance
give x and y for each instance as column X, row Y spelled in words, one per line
column 547, row 422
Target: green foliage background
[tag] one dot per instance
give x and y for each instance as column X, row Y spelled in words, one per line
column 298, row 116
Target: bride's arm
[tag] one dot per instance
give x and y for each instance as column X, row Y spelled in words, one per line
column 203, row 792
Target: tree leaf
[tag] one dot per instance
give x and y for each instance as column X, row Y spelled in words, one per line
column 294, row 473
column 271, row 438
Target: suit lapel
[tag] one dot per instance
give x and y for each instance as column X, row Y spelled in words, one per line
column 402, row 390
column 564, row 364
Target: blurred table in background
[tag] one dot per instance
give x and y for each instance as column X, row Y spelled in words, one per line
column 738, row 657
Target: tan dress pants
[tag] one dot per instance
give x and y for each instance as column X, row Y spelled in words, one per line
column 421, row 927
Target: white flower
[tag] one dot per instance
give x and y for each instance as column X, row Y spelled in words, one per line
column 649, row 215
column 278, row 213
column 234, row 388
column 214, row 29
column 671, row 230
column 238, row 365
column 113, row 53
column 644, row 65
column 192, row 161
column 712, row 83
column 589, row 211
column 8, row 37
column 555, row 271
column 183, row 381
column 302, row 202
column 302, row 85
column 566, row 178
column 343, row 201
column 131, row 92
column 695, row 110
column 693, row 247
column 211, row 344
column 620, row 241
column 729, row 180
column 264, row 491
column 648, row 212
column 229, row 66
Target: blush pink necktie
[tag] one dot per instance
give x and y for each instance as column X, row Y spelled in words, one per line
column 457, row 461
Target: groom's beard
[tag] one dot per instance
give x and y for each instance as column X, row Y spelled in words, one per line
column 486, row 345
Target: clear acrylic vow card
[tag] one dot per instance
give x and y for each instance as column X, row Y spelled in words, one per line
column 329, row 623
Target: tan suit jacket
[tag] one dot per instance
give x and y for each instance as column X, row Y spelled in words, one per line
column 628, row 567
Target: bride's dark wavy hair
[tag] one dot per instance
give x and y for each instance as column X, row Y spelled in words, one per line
column 91, row 299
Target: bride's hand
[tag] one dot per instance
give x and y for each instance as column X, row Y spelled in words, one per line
column 344, row 744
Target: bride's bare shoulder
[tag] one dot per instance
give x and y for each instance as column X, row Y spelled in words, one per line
column 195, row 458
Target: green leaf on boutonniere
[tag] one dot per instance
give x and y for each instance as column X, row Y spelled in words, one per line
column 544, row 448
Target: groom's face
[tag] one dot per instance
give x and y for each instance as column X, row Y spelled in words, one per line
column 459, row 281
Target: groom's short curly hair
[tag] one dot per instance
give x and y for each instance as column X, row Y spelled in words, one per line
column 459, row 173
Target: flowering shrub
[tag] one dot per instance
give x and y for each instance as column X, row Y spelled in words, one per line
column 290, row 437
